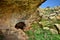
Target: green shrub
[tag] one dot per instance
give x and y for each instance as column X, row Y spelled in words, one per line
column 1, row 36
column 40, row 34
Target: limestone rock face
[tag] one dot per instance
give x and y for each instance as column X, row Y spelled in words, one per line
column 14, row 11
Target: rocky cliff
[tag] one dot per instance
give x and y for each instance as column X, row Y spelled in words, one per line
column 17, row 11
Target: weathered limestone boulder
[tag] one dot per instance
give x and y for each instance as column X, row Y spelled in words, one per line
column 57, row 26
column 15, row 11
column 53, row 31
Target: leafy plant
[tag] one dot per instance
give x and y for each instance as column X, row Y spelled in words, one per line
column 40, row 34
column 1, row 36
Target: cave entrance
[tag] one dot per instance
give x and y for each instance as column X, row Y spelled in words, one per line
column 20, row 25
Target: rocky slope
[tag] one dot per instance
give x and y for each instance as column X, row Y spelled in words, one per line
column 50, row 18
column 48, row 27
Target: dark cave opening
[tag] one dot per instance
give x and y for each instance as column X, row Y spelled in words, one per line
column 20, row 25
